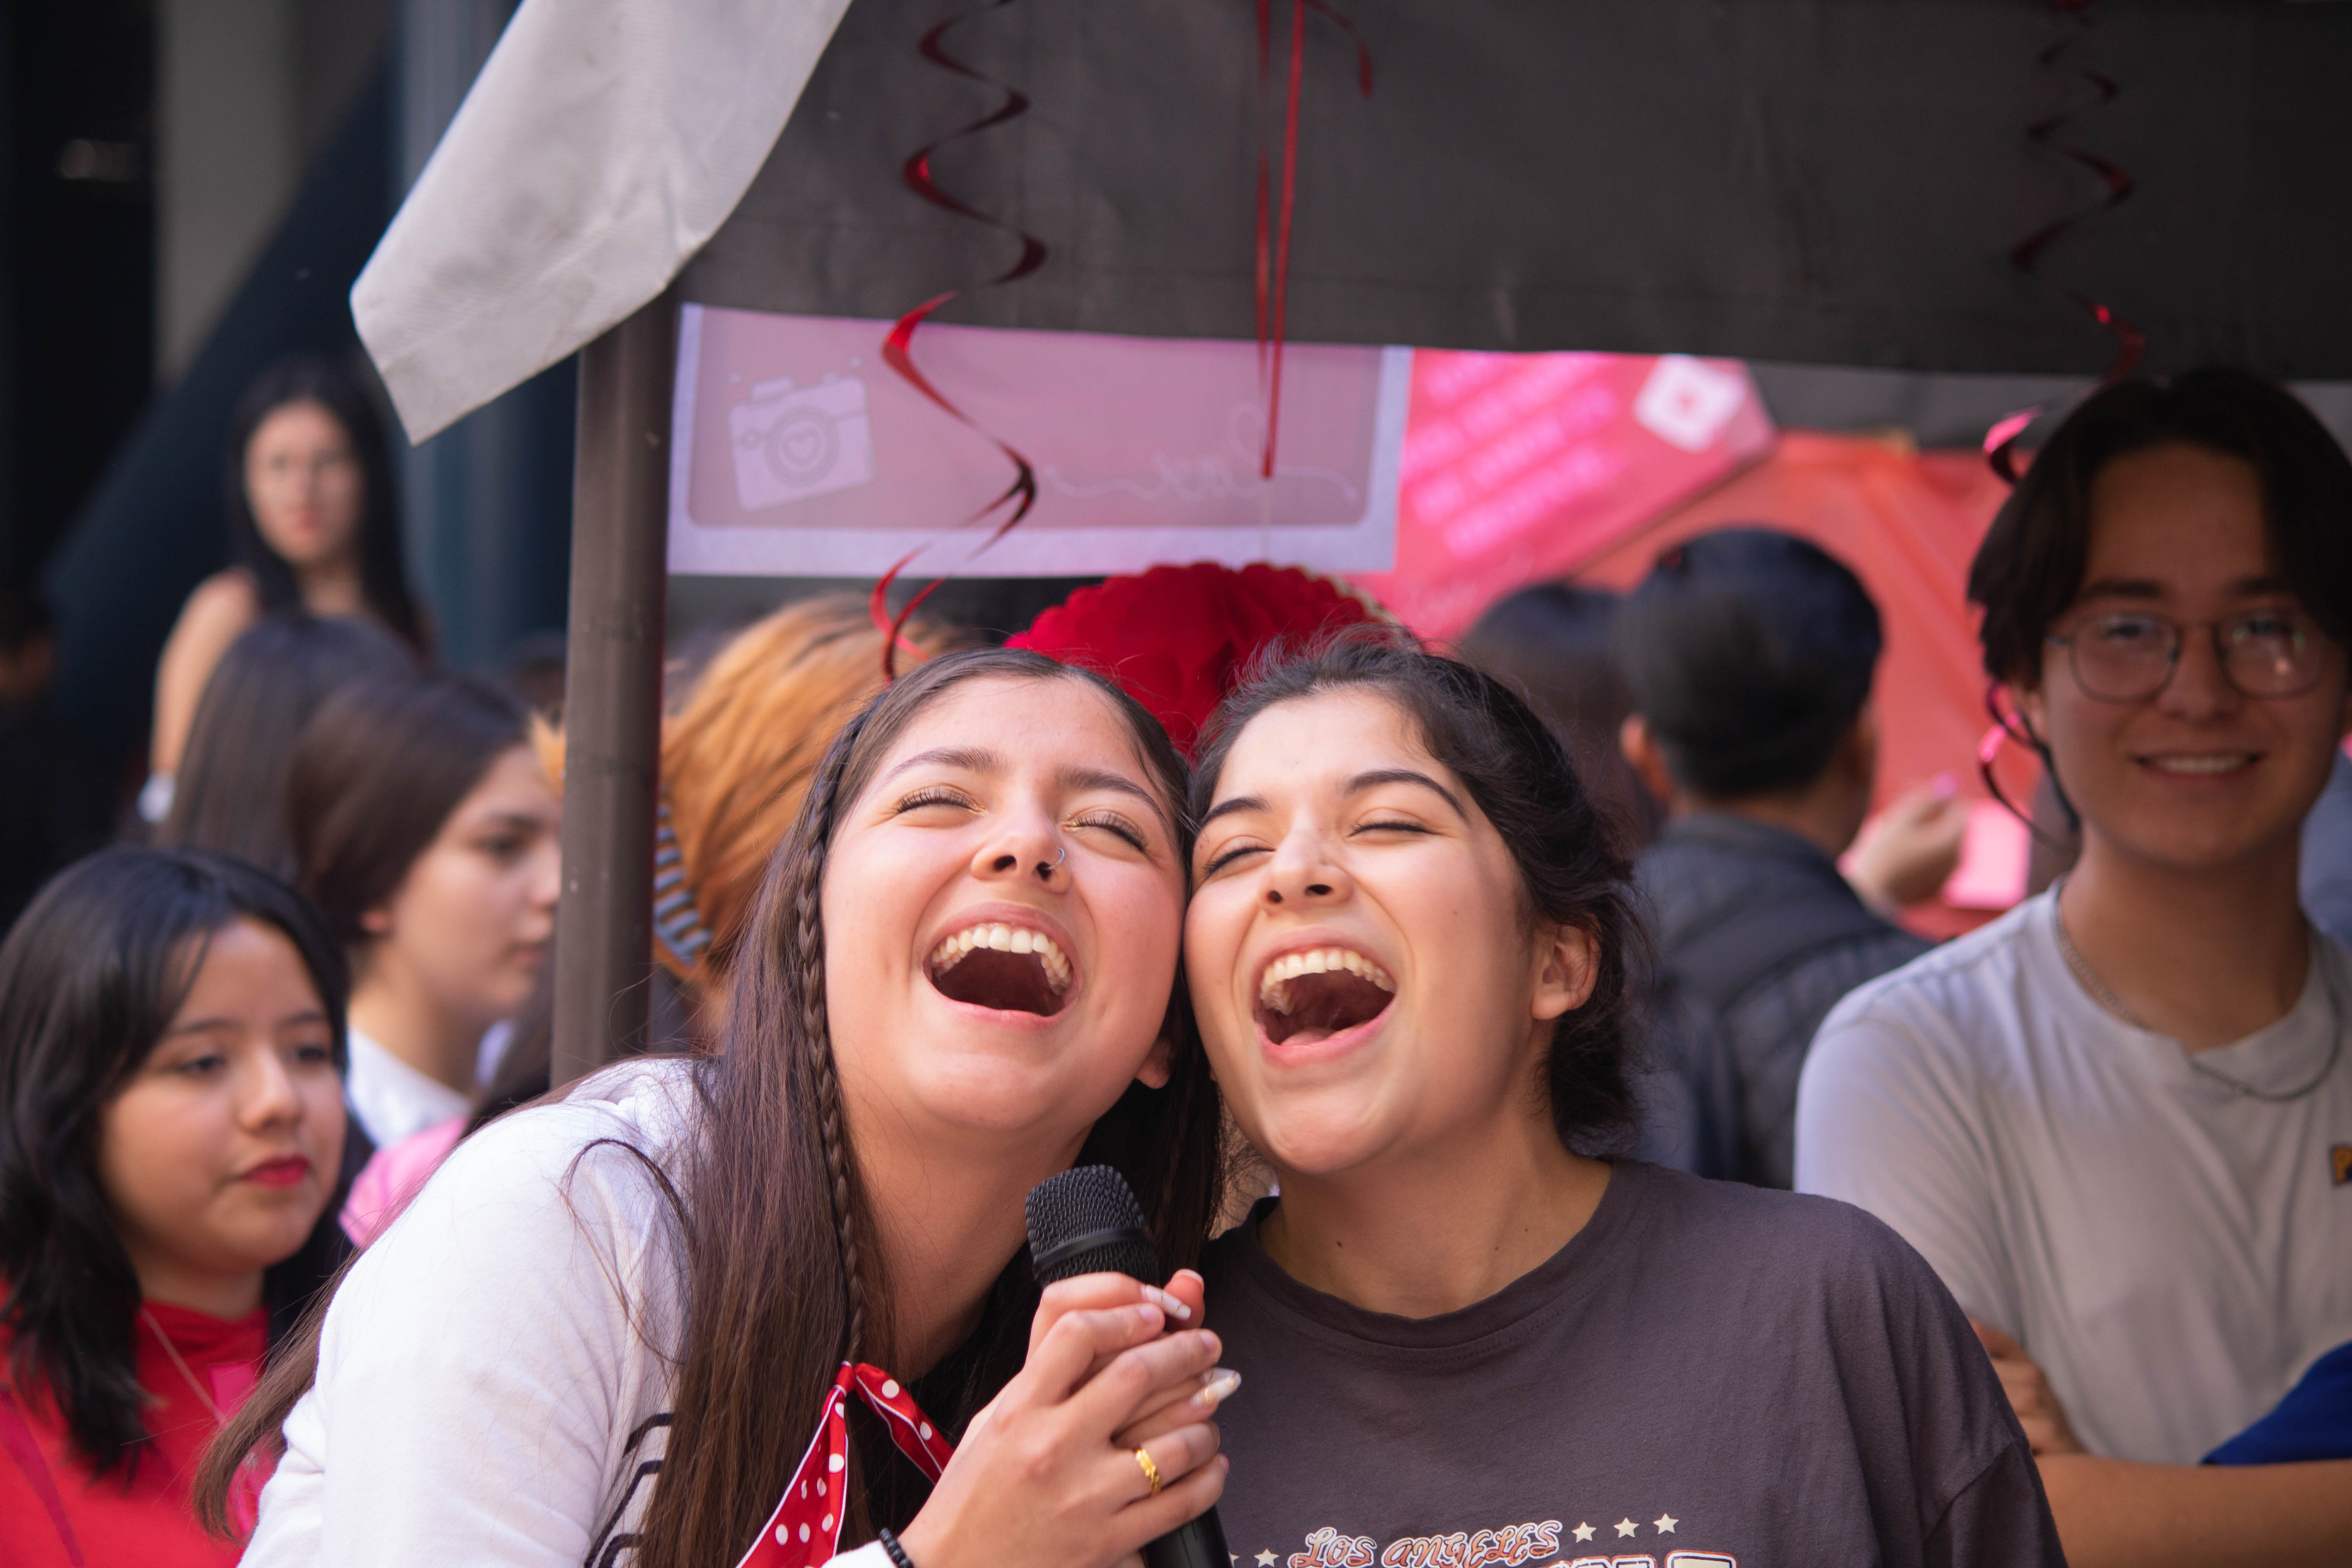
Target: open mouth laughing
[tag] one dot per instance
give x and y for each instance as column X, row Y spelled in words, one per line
column 1007, row 967
column 1306, row 997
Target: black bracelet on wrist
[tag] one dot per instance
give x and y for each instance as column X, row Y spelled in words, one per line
column 899, row 1558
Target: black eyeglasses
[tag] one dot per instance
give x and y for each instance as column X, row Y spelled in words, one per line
column 2127, row 656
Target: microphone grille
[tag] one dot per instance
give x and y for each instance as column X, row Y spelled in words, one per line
column 1089, row 1198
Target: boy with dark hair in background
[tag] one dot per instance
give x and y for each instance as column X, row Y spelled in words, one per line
column 1748, row 655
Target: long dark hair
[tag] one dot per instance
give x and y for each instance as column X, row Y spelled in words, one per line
column 782, row 1279
column 383, row 577
column 89, row 980
column 1516, row 769
column 229, row 794
column 378, row 770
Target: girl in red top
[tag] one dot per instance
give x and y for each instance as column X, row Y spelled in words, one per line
column 171, row 1056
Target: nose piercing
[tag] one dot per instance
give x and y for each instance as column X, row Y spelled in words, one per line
column 1045, row 868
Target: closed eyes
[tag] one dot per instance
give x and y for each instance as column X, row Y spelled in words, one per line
column 1111, row 822
column 1106, row 820
column 1226, row 856
column 935, row 795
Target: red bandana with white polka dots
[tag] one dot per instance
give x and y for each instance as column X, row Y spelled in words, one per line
column 805, row 1528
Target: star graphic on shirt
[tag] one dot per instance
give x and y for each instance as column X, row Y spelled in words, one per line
column 1666, row 1522
column 1584, row 1532
column 1265, row 1559
column 1627, row 1527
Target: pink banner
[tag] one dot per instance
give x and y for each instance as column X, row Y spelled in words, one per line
column 1518, row 467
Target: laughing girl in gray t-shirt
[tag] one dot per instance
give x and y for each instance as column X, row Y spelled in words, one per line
column 1468, row 1344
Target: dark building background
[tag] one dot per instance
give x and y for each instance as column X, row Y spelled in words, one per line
column 77, row 200
column 190, row 187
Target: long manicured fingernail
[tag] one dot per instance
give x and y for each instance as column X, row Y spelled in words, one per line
column 1216, row 1388
column 1168, row 1304
column 1152, row 1312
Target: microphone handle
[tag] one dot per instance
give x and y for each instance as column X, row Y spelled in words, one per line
column 1200, row 1545
column 1127, row 1250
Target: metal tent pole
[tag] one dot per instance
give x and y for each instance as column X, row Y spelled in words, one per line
column 612, row 689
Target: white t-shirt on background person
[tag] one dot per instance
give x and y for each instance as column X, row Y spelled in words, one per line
column 2173, row 1253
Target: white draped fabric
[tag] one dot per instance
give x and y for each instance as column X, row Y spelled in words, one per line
column 604, row 143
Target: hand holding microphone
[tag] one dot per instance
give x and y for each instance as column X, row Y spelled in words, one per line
column 1085, row 1224
column 1049, row 1472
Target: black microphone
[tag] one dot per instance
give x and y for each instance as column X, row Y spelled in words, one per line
column 1085, row 1221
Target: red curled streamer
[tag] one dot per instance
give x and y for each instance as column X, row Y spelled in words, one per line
column 1022, row 493
column 1274, row 259
column 2131, row 343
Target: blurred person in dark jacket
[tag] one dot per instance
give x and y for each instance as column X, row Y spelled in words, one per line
column 56, row 803
column 1748, row 654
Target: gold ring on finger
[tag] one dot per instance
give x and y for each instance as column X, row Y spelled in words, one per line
column 1150, row 1471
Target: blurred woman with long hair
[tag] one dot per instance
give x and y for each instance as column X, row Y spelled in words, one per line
column 313, row 525
column 170, row 1040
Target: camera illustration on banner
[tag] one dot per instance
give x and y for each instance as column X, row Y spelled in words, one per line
column 792, row 442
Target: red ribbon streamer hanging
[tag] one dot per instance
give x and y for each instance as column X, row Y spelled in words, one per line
column 2131, row 343
column 897, row 349
column 1273, row 247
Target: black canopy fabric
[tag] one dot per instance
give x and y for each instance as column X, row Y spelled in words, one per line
column 1822, row 181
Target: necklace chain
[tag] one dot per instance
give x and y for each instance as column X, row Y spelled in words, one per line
column 2115, row 1004
column 172, row 1350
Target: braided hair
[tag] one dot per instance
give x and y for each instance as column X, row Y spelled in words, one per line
column 782, row 1281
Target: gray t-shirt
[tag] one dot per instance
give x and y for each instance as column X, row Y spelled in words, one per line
column 1707, row 1375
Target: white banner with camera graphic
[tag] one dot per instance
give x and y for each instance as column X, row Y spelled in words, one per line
column 797, row 452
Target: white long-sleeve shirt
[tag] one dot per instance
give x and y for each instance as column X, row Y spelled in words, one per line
column 489, row 1388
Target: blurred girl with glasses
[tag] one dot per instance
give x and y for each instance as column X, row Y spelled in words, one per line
column 2118, row 1122
column 313, row 526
